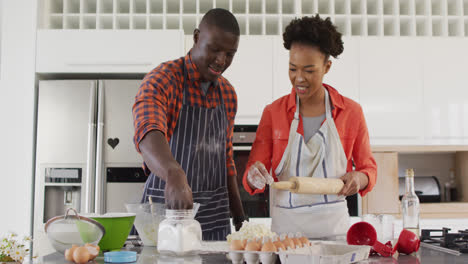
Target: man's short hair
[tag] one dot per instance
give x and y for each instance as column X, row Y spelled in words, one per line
column 223, row 19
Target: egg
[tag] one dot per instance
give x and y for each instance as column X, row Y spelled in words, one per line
column 279, row 245
column 288, row 243
column 268, row 247
column 252, row 246
column 244, row 243
column 236, row 245
column 304, row 241
column 297, row 242
column 81, row 255
column 69, row 253
column 93, row 251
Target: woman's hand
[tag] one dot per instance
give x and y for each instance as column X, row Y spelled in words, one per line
column 354, row 181
column 258, row 176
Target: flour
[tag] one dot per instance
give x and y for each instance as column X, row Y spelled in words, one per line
column 179, row 238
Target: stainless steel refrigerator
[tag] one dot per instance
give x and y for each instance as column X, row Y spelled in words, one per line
column 84, row 139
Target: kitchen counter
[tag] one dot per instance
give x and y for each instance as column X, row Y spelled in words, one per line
column 149, row 255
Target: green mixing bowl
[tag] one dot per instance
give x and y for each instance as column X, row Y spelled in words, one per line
column 118, row 226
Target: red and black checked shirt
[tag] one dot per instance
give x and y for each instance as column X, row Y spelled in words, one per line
column 160, row 97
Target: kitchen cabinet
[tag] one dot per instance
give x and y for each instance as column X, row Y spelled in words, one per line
column 445, row 91
column 104, row 51
column 383, row 199
column 281, row 83
column 343, row 74
column 251, row 74
column 391, row 89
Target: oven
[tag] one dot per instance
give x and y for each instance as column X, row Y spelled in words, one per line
column 258, row 205
column 254, row 205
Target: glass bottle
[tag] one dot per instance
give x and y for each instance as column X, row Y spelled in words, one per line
column 451, row 194
column 179, row 234
column 410, row 205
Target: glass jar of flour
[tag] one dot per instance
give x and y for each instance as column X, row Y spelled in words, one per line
column 179, row 234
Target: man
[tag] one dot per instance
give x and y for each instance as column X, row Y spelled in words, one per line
column 184, row 117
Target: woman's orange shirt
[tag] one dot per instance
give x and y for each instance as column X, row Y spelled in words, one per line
column 273, row 133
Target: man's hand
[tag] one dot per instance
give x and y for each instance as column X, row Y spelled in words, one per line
column 258, row 176
column 178, row 193
column 353, row 182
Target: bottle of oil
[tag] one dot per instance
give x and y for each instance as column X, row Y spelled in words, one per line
column 410, row 205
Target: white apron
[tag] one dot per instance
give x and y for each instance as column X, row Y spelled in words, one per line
column 316, row 216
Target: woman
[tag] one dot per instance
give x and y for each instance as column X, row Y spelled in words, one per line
column 312, row 132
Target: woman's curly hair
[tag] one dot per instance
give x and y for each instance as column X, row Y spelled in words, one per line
column 314, row 31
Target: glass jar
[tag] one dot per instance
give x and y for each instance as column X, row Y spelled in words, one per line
column 179, row 234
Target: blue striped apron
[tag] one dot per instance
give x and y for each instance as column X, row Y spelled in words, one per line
column 199, row 145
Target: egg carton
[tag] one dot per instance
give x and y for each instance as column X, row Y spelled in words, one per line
column 316, row 253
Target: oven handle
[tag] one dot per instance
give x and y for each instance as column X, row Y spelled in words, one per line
column 241, row 148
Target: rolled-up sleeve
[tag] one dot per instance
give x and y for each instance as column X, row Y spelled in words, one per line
column 362, row 155
column 150, row 107
column 261, row 148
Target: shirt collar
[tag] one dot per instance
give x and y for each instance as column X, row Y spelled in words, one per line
column 336, row 98
column 193, row 73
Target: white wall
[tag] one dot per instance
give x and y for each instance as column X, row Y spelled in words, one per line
column 18, row 34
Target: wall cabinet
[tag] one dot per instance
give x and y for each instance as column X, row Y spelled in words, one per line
column 391, row 89
column 281, row 83
column 344, row 72
column 445, row 91
column 412, row 90
column 251, row 73
column 103, row 51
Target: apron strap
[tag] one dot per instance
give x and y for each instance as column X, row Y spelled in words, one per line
column 184, row 85
column 328, row 113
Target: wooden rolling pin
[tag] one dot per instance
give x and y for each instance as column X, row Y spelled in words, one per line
column 310, row 185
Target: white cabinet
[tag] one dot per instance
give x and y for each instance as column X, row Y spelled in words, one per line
column 391, row 89
column 446, row 91
column 251, row 74
column 104, row 51
column 281, row 83
column 344, row 72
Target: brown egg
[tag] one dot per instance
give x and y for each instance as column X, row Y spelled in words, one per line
column 297, row 242
column 288, row 243
column 269, row 247
column 279, row 244
column 81, row 255
column 93, row 251
column 69, row 253
column 304, row 241
column 236, row 245
column 244, row 243
column 252, row 246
